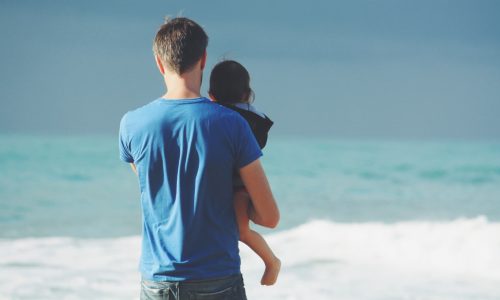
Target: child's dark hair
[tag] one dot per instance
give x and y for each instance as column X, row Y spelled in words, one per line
column 230, row 83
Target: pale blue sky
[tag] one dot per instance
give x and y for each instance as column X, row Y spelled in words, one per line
column 390, row 69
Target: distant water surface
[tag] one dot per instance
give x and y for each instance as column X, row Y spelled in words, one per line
column 76, row 186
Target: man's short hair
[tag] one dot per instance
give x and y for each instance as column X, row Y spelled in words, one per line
column 180, row 43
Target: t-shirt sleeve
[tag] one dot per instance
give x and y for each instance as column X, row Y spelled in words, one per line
column 124, row 143
column 247, row 149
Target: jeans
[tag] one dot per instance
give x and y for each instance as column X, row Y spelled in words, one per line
column 227, row 288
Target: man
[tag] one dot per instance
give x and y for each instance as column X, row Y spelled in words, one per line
column 184, row 150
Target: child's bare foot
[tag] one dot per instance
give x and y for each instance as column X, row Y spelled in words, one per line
column 271, row 272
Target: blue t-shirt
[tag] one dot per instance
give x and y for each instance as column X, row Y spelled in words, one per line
column 185, row 152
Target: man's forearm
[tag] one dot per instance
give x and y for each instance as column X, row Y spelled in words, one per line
column 134, row 168
column 264, row 210
column 254, row 217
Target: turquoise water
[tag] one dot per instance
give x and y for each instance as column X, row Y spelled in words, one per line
column 76, row 186
column 360, row 220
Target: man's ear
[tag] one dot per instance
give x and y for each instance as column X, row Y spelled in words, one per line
column 159, row 64
column 203, row 60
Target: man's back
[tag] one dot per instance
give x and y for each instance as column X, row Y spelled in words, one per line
column 185, row 152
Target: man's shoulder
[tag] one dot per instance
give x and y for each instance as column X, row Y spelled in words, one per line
column 223, row 110
column 224, row 113
column 217, row 112
column 157, row 111
column 136, row 112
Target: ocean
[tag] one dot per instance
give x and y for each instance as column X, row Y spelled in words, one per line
column 360, row 219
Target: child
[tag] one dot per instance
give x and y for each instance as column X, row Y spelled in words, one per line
column 230, row 86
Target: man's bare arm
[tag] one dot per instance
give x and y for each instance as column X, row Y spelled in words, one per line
column 264, row 210
column 133, row 168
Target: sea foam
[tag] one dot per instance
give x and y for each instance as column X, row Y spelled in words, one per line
column 321, row 259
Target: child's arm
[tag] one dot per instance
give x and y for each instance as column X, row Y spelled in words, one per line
column 264, row 210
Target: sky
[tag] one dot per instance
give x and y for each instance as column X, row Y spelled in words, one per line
column 350, row 69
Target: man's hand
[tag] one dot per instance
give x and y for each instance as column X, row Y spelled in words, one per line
column 264, row 210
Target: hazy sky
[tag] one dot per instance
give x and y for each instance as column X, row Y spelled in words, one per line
column 392, row 69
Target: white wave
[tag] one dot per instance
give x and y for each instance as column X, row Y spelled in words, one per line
column 321, row 260
column 69, row 268
column 408, row 260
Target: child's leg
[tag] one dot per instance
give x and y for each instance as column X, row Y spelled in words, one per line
column 254, row 240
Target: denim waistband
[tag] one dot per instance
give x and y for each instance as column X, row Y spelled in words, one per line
column 199, row 283
column 178, row 288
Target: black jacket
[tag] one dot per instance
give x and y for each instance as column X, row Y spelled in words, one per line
column 260, row 126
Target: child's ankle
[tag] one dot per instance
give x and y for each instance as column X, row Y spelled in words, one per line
column 271, row 263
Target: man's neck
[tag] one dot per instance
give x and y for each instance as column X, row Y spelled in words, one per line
column 185, row 86
column 184, row 94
